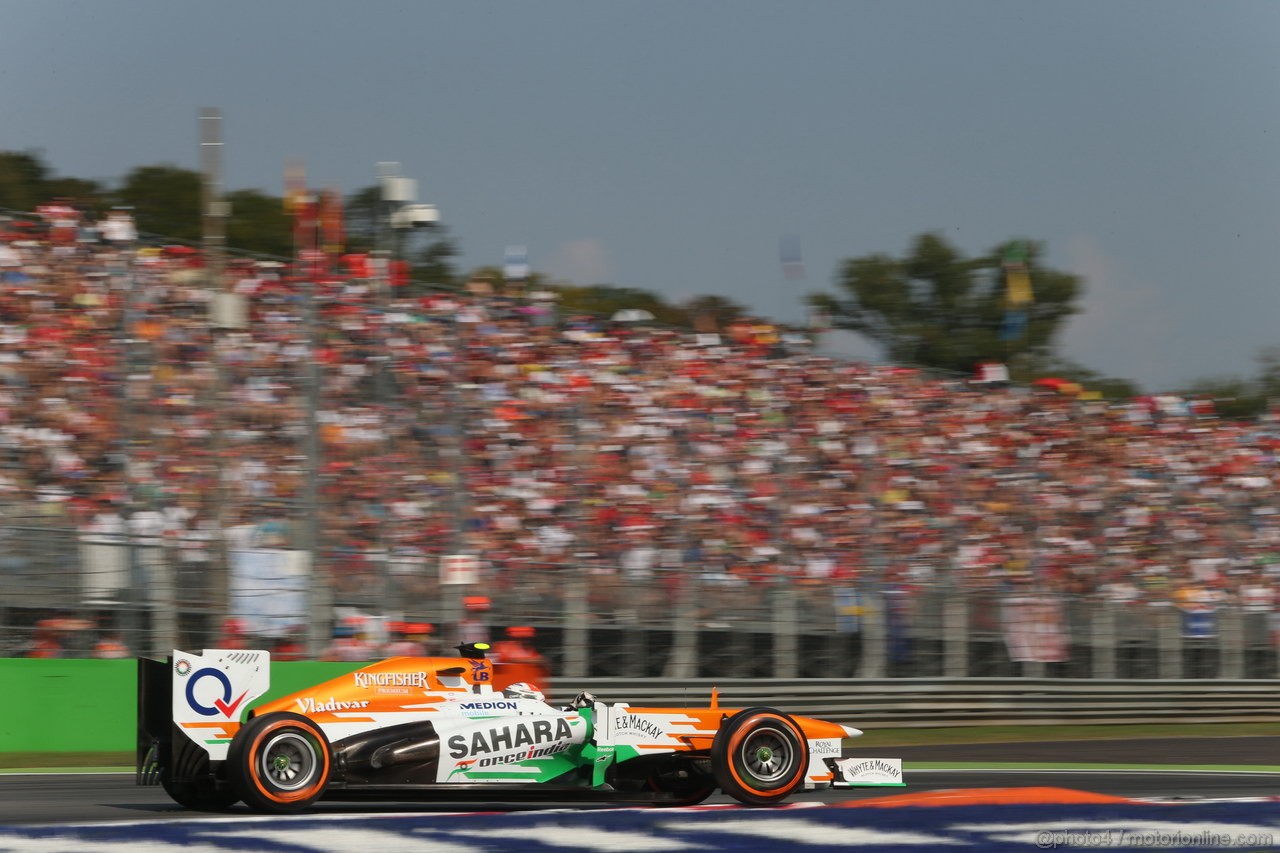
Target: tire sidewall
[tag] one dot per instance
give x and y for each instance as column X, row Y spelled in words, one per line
column 726, row 756
column 243, row 760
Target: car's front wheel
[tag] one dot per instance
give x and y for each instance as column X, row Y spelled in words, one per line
column 279, row 763
column 759, row 756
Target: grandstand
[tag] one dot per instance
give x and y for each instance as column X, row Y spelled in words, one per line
column 654, row 503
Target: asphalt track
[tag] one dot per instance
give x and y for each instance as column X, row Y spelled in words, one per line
column 60, row 798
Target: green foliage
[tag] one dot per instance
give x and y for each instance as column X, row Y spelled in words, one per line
column 711, row 313
column 85, row 193
column 935, row 308
column 434, row 265
column 1032, row 366
column 431, row 252
column 1268, row 359
column 1232, row 396
column 23, row 180
column 165, row 200
column 1235, row 397
column 360, row 217
column 603, row 300
column 258, row 223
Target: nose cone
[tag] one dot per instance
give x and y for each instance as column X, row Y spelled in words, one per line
column 850, row 731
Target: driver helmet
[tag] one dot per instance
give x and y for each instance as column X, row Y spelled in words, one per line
column 522, row 690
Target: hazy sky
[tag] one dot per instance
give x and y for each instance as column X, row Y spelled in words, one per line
column 670, row 144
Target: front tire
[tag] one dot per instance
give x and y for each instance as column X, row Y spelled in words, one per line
column 760, row 756
column 279, row 763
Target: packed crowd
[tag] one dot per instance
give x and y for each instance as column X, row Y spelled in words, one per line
column 480, row 422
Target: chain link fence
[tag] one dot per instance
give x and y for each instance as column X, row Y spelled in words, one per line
column 595, row 620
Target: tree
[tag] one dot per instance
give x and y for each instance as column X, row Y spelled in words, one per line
column 82, row 192
column 936, row 308
column 1036, row 366
column 23, row 180
column 431, row 252
column 1268, row 359
column 434, row 264
column 1232, row 396
column 711, row 313
column 165, row 200
column 361, row 216
column 259, row 223
column 603, row 300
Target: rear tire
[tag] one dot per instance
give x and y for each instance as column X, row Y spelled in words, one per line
column 760, row 756
column 279, row 763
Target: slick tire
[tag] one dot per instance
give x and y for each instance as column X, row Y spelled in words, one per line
column 279, row 763
column 759, row 756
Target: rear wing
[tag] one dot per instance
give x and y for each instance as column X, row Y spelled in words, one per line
column 194, row 700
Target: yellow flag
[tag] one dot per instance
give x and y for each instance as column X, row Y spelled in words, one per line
column 1018, row 284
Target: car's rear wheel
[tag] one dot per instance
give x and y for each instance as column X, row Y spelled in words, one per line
column 279, row 763
column 759, row 756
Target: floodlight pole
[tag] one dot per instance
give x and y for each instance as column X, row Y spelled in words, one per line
column 319, row 604
column 213, row 220
column 397, row 197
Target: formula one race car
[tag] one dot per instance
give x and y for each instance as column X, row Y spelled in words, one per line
column 442, row 727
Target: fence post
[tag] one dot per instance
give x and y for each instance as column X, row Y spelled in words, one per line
column 683, row 662
column 1102, row 625
column 577, row 637
column 163, row 602
column 955, row 635
column 786, row 650
column 875, row 645
column 1169, row 642
column 1230, row 643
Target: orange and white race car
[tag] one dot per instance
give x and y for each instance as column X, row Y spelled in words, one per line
column 442, row 727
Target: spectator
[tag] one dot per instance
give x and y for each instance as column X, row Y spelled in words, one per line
column 714, row 467
column 111, row 646
column 517, row 647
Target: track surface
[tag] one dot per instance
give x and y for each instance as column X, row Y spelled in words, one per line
column 64, row 799
column 92, row 798
column 1218, row 750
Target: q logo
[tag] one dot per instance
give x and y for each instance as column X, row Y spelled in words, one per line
column 221, row 704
